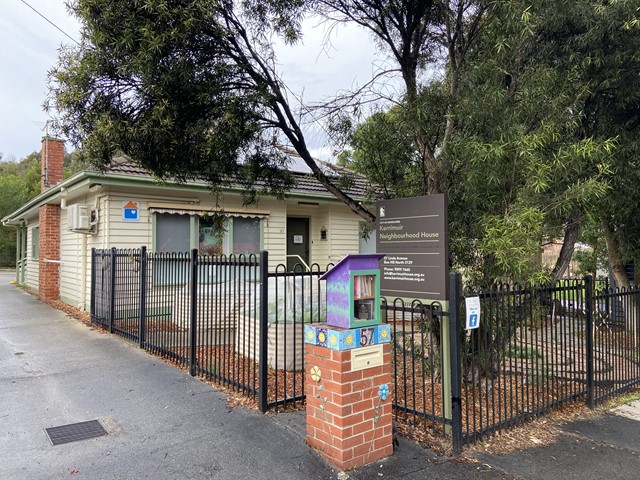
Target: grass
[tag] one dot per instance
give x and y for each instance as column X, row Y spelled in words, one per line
column 516, row 351
column 624, row 398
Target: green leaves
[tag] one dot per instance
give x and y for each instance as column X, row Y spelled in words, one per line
column 548, row 98
column 513, row 241
column 164, row 83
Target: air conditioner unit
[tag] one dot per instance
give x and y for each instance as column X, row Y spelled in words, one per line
column 78, row 217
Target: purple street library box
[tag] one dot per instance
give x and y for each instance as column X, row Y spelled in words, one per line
column 353, row 291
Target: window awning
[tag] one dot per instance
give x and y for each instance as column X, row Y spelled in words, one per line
column 200, row 210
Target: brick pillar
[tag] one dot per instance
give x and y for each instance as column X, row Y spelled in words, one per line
column 52, row 162
column 348, row 422
column 49, row 275
column 49, row 268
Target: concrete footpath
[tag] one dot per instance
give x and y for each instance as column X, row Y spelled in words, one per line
column 164, row 424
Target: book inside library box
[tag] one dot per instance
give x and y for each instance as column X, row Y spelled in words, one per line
column 365, row 300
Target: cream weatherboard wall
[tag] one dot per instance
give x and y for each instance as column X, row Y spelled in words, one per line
column 344, row 229
column 70, row 262
column 121, row 234
column 274, row 231
column 321, row 249
column 112, row 231
column 75, row 254
column 33, row 267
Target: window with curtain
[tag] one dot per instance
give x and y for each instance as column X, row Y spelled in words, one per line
column 246, row 235
column 241, row 235
column 210, row 238
column 172, row 236
column 366, row 244
column 173, row 232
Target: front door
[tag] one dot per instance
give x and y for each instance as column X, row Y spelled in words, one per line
column 297, row 242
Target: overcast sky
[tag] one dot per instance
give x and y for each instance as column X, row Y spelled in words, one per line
column 29, row 46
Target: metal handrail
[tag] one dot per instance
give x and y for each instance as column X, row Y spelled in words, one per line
column 307, row 268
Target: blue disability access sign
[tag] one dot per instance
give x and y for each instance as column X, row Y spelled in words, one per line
column 130, row 212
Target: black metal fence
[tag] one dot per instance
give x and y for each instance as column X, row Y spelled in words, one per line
column 7, row 260
column 230, row 320
column 417, row 347
column 225, row 318
column 539, row 348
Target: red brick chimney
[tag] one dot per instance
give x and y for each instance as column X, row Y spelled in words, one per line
column 49, row 259
column 52, row 162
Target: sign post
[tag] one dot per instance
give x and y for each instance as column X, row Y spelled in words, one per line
column 413, row 235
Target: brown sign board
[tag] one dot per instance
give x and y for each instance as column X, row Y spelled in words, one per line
column 413, row 235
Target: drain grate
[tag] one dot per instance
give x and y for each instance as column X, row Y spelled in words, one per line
column 75, row 432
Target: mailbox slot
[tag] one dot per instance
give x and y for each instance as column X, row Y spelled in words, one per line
column 366, row 357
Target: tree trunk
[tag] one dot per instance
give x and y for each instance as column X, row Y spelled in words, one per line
column 630, row 308
column 615, row 259
column 571, row 232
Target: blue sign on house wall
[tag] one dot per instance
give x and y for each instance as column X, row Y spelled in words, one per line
column 130, row 211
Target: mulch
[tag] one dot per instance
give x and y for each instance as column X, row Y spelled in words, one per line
column 237, row 374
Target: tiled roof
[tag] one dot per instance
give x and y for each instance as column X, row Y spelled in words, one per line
column 306, row 183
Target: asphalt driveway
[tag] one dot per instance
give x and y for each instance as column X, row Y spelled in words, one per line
column 162, row 423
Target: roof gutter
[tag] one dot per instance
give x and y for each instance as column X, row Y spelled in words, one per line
column 83, row 178
column 124, row 180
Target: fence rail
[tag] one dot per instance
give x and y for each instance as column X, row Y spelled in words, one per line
column 539, row 348
column 417, row 363
column 226, row 318
column 230, row 320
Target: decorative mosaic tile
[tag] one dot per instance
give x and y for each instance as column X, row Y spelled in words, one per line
column 341, row 339
column 321, row 337
column 348, row 340
column 309, row 335
column 384, row 333
column 333, row 339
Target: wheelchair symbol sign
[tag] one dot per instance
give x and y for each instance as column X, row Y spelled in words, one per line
column 472, row 305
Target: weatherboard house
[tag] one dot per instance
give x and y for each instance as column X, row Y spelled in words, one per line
column 124, row 207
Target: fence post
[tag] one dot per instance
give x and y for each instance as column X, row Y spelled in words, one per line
column 263, row 329
column 455, row 367
column 143, row 296
column 92, row 295
column 588, row 289
column 635, row 298
column 193, row 312
column 606, row 298
column 112, row 289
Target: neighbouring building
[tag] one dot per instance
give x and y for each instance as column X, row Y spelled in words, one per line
column 125, row 207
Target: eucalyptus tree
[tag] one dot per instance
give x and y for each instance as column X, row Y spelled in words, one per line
column 520, row 166
column 423, row 39
column 594, row 45
column 529, row 168
column 186, row 88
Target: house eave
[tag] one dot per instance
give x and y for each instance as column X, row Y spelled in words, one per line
column 87, row 179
